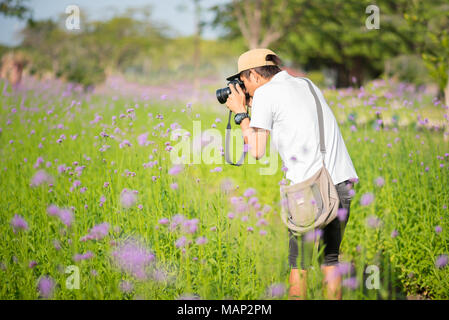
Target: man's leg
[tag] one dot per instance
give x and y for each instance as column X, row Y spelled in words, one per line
column 332, row 236
column 298, row 284
column 298, row 277
column 332, row 282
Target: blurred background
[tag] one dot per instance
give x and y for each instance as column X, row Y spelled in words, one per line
column 195, row 43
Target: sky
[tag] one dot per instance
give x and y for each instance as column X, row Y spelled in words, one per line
column 178, row 14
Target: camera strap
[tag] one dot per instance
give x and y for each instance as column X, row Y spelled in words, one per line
column 227, row 141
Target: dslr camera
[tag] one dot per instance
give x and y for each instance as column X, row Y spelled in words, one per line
column 222, row 94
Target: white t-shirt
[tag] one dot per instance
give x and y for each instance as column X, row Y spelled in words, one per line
column 285, row 106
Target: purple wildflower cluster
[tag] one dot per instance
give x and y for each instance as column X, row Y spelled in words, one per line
column 133, row 257
column 97, row 232
column 64, row 214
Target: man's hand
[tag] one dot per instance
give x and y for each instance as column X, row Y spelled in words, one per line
column 236, row 100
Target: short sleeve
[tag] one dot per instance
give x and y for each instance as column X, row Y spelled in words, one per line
column 261, row 114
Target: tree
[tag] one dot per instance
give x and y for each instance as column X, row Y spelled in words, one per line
column 324, row 33
column 260, row 22
column 15, row 8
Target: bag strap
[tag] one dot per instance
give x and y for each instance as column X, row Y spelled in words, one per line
column 320, row 116
column 319, row 110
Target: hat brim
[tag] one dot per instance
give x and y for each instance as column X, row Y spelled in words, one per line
column 233, row 77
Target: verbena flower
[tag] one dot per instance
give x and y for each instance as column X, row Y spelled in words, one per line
column 351, row 283
column 441, row 261
column 181, row 242
column 126, row 286
column 46, row 286
column 201, row 240
column 132, row 257
column 249, row 192
column 313, row 235
column 175, row 170
column 342, row 213
column 18, row 223
column 78, row 257
column 41, row 177
column 97, row 232
column 367, row 199
column 128, row 198
column 276, row 290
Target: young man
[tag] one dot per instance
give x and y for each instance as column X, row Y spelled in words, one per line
column 285, row 107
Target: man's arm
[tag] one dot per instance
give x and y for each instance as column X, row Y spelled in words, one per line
column 255, row 138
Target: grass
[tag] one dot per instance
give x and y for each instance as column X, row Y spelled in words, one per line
column 235, row 262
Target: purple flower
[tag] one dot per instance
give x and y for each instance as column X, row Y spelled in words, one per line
column 97, row 232
column 102, row 200
column 351, row 283
column 41, row 177
column 163, row 221
column 231, row 215
column 367, row 199
column 175, row 170
column 190, row 226
column 66, row 216
column 32, row 264
column 181, row 242
column 276, row 290
column 131, row 256
column 441, row 261
column 126, row 286
column 201, row 240
column 46, row 286
column 380, row 181
column 85, row 256
column 53, row 210
column 76, row 183
column 226, row 185
column 250, row 229
column 394, row 233
column 142, row 139
column 344, row 268
column 18, row 223
column 249, row 192
column 373, row 222
column 174, row 186
column 313, row 235
column 252, row 201
column 342, row 213
column 128, row 198
column 262, row 232
column 438, row 229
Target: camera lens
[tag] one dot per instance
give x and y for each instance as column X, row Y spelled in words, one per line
column 222, row 94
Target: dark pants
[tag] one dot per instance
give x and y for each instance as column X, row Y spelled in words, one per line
column 331, row 236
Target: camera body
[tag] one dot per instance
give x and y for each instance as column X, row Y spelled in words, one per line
column 222, row 94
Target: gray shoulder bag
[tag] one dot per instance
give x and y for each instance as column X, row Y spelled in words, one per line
column 314, row 202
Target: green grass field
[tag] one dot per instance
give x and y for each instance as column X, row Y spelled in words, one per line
column 67, row 166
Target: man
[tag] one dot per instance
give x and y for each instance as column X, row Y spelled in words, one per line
column 285, row 107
